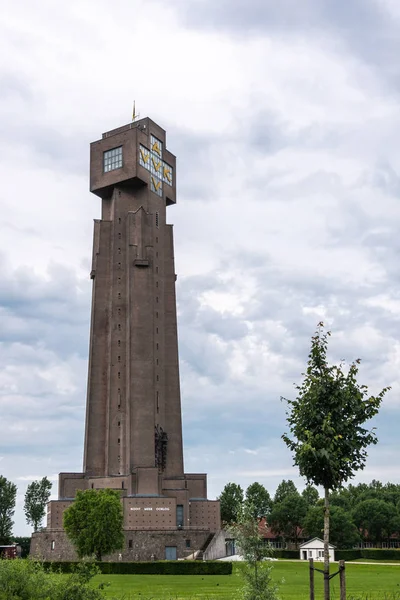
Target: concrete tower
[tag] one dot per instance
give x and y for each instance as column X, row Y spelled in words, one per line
column 133, row 435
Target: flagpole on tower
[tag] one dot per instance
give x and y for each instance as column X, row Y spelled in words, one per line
column 134, row 115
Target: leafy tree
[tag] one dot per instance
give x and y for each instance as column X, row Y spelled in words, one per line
column 343, row 532
column 376, row 518
column 310, row 495
column 231, row 501
column 36, row 497
column 258, row 498
column 326, row 424
column 25, row 543
column 285, row 488
column 8, row 495
column 258, row 583
column 94, row 523
column 391, row 493
column 287, row 516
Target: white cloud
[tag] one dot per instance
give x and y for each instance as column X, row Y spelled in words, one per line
column 287, row 212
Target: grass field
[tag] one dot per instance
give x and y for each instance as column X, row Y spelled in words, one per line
column 369, row 582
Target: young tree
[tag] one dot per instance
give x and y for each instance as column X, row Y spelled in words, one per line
column 258, row 582
column 36, row 497
column 287, row 516
column 8, row 495
column 285, row 488
column 231, row 501
column 94, row 523
column 326, row 421
column 259, row 500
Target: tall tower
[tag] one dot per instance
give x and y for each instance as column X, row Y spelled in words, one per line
column 133, row 434
column 133, row 417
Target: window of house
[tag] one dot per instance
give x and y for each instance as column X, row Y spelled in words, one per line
column 112, row 159
column 187, row 543
column 53, row 544
column 130, row 545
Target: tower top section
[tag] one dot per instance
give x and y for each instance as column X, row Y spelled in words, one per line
column 134, row 155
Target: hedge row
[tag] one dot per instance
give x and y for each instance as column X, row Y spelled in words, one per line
column 348, row 554
column 286, row 554
column 380, row 554
column 165, row 567
column 368, row 554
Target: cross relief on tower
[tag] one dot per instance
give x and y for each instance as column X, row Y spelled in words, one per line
column 152, row 160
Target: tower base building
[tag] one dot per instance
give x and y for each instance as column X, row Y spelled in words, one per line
column 133, row 435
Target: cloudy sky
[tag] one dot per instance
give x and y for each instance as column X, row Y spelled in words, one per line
column 285, row 121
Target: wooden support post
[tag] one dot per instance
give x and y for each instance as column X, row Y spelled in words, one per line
column 312, row 592
column 342, row 577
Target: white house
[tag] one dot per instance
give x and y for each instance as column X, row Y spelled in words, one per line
column 315, row 549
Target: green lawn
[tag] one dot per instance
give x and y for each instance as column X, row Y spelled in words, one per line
column 367, row 581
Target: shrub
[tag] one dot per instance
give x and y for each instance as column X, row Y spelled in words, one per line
column 27, row 580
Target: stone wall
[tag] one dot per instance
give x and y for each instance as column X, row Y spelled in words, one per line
column 139, row 545
column 217, row 547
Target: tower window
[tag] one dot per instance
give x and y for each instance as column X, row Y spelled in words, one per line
column 112, row 159
column 157, row 219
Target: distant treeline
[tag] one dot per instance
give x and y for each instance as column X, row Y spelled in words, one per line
column 363, row 513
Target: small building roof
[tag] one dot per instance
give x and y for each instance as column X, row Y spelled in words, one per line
column 311, row 543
